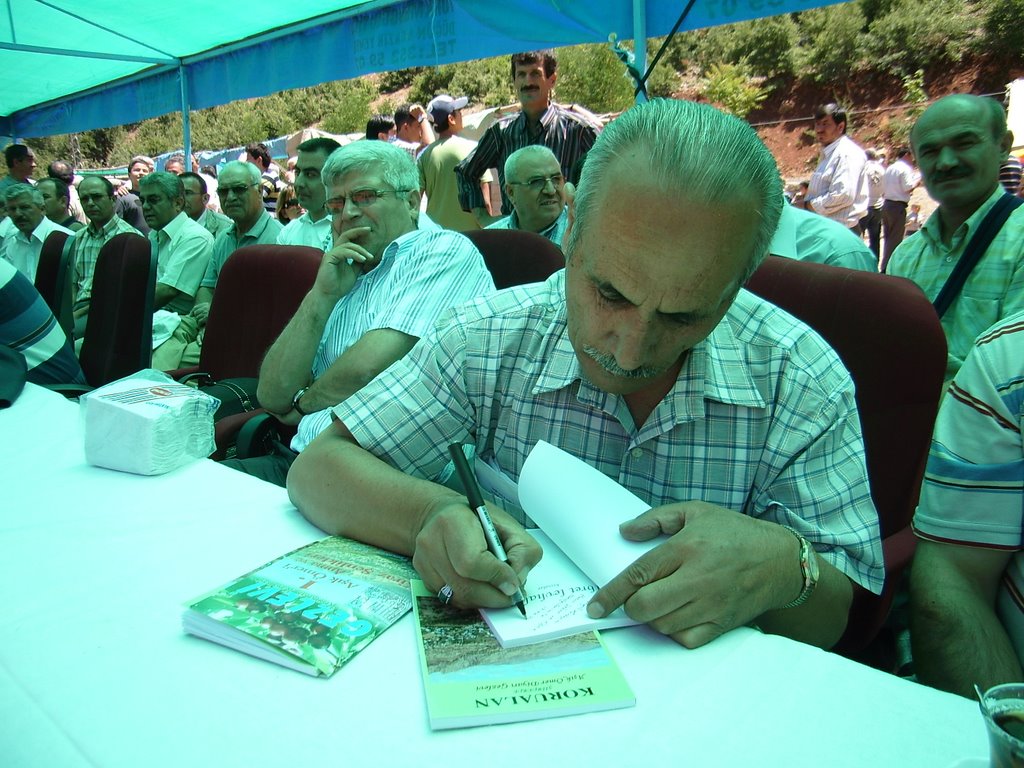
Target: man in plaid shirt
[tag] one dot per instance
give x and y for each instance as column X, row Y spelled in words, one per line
column 645, row 359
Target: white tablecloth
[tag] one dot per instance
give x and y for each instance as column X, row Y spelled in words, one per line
column 95, row 669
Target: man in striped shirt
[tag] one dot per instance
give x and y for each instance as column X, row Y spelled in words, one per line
column 645, row 359
column 389, row 276
column 967, row 583
column 567, row 133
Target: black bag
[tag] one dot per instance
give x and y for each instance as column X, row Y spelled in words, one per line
column 236, row 395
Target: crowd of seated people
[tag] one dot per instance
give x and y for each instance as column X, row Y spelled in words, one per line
column 642, row 353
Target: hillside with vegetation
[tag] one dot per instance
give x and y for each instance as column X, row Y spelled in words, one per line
column 883, row 59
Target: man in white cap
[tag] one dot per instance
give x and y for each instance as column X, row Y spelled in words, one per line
column 437, row 165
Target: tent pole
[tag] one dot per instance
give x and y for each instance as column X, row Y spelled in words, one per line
column 186, row 123
column 640, row 43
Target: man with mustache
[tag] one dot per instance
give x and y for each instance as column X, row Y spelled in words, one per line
column 959, row 142
column 97, row 196
column 567, row 133
column 24, row 242
column 536, row 187
column 646, row 359
column 838, row 188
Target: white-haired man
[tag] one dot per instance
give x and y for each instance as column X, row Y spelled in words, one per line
column 390, row 274
column 23, row 243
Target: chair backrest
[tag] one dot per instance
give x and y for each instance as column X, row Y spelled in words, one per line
column 515, row 257
column 887, row 334
column 119, row 332
column 258, row 291
column 54, row 277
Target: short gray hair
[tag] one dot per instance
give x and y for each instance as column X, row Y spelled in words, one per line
column 144, row 159
column 695, row 152
column 167, row 183
column 255, row 176
column 532, row 150
column 17, row 190
column 394, row 165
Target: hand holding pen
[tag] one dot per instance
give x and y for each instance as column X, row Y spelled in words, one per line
column 476, row 503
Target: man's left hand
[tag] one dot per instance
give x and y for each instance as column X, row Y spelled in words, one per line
column 719, row 570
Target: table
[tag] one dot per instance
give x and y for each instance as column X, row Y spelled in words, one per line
column 96, row 671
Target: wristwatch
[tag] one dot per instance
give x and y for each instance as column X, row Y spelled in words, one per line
column 298, row 408
column 808, row 569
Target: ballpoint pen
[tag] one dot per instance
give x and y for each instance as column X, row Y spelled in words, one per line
column 476, row 502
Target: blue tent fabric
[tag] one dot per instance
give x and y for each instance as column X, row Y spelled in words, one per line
column 224, row 57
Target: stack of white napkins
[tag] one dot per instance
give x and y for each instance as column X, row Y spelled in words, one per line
column 147, row 427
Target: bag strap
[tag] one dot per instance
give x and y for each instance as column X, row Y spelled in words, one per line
column 979, row 243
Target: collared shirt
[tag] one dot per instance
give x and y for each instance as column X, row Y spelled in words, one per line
column 994, row 289
column 305, row 231
column 88, row 243
column 838, row 187
column 411, row 147
column 23, row 251
column 183, row 251
column 437, row 180
column 214, row 222
column 1010, row 173
column 899, row 181
column 263, row 232
column 421, row 274
column 567, row 133
column 552, row 232
column 807, row 236
column 874, row 173
column 973, row 490
column 27, row 325
column 761, row 420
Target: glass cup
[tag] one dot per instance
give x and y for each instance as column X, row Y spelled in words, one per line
column 1003, row 709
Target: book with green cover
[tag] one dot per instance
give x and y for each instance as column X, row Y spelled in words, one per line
column 311, row 609
column 469, row 679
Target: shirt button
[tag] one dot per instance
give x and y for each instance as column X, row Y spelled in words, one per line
column 637, row 453
column 949, row 259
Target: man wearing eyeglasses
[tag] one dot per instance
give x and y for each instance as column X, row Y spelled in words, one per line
column 536, row 187
column 390, row 274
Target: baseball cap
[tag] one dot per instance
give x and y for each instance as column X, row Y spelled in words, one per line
column 440, row 107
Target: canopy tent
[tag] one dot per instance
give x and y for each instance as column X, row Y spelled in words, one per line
column 73, row 66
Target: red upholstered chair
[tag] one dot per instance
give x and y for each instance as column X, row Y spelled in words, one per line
column 54, row 278
column 514, row 257
column 258, row 291
column 118, row 336
column 889, row 337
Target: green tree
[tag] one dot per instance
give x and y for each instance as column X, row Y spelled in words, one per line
column 1004, row 27
column 352, row 109
column 732, row 87
column 915, row 34
column 593, row 77
column 830, row 43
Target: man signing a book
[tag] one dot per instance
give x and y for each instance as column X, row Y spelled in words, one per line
column 644, row 359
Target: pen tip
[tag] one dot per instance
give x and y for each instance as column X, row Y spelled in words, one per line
column 522, row 608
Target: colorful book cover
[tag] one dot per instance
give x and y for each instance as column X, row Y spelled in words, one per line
column 470, row 680
column 310, row 610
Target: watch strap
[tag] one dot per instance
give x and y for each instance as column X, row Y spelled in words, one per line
column 808, row 570
column 295, row 401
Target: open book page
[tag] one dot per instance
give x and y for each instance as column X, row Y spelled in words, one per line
column 557, row 593
column 581, row 509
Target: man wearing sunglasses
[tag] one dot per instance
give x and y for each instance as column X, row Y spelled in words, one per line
column 389, row 274
column 535, row 186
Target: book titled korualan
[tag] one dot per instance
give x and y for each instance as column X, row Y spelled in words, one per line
column 311, row 609
column 578, row 511
column 470, row 680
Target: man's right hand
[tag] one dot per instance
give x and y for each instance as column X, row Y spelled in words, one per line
column 451, row 549
column 343, row 264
